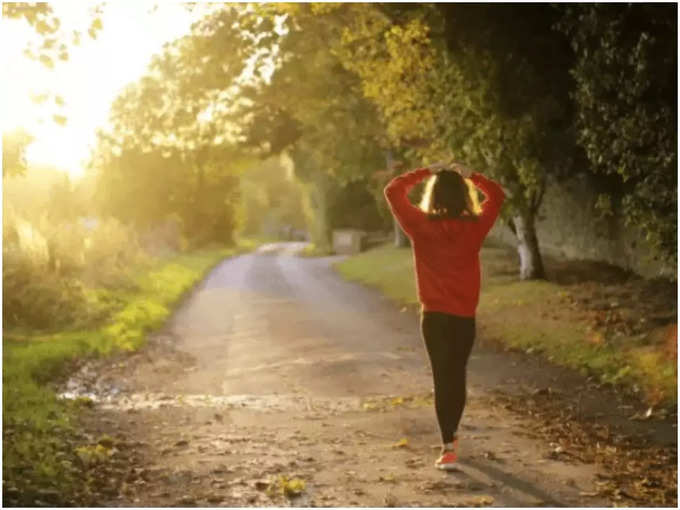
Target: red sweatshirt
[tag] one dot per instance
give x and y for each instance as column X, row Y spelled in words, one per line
column 446, row 251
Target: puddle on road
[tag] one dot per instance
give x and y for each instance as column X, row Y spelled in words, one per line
column 265, row 403
column 112, row 394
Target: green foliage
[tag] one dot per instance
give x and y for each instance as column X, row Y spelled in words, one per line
column 460, row 80
column 169, row 151
column 311, row 250
column 198, row 186
column 271, row 199
column 354, row 205
column 48, row 267
column 339, row 138
column 626, row 93
column 298, row 99
column 470, row 82
column 91, row 455
column 54, row 40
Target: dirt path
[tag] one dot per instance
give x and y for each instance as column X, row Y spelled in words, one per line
column 275, row 367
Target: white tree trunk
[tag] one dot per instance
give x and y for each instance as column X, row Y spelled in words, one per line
column 316, row 209
column 530, row 261
column 401, row 240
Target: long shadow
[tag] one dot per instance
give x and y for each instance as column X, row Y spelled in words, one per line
column 512, row 482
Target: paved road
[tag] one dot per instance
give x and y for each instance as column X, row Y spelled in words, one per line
column 275, row 366
column 272, row 322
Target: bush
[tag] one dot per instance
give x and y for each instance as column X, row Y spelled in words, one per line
column 110, row 249
column 34, row 297
column 50, row 270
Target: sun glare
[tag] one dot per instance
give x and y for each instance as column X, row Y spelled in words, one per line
column 88, row 82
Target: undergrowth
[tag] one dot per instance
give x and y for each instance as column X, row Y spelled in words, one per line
column 39, row 428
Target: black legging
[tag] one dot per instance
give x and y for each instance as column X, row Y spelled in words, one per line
column 448, row 339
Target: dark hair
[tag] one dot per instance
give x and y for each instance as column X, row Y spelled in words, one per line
column 448, row 195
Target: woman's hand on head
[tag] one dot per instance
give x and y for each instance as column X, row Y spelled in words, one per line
column 436, row 167
column 461, row 169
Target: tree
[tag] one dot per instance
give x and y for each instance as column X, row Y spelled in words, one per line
column 54, row 43
column 483, row 83
column 312, row 107
column 165, row 154
column 271, row 198
column 626, row 99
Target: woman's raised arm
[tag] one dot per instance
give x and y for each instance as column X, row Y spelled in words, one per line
column 396, row 193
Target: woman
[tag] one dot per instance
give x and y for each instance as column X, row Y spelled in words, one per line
column 446, row 233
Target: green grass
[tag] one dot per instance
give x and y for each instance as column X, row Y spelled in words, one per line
column 36, row 423
column 388, row 269
column 312, row 250
column 523, row 315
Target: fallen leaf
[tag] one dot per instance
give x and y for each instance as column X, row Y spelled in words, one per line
column 402, row 443
column 294, row 487
column 397, row 401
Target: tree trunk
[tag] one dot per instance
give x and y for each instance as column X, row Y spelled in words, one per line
column 530, row 261
column 316, row 197
column 401, row 240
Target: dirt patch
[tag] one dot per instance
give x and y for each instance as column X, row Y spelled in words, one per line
column 614, row 302
column 599, row 318
column 635, row 469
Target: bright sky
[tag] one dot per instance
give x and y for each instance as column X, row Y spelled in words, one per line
column 89, row 81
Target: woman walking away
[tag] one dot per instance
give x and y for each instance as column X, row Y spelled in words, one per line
column 446, row 232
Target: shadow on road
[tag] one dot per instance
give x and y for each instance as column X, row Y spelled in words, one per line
column 505, row 478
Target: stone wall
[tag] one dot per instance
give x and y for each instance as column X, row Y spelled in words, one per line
column 570, row 226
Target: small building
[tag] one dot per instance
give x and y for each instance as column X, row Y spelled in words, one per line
column 348, row 241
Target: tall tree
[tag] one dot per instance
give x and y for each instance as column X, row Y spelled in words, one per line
column 483, row 83
column 169, row 151
column 314, row 109
column 626, row 98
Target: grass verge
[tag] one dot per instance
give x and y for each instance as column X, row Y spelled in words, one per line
column 312, row 250
column 539, row 317
column 38, row 458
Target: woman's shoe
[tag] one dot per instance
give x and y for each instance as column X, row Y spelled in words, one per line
column 448, row 459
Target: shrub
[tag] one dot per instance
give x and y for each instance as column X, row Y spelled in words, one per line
column 54, row 273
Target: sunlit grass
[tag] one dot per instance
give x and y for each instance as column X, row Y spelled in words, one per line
column 520, row 315
column 387, row 268
column 312, row 250
column 35, row 421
